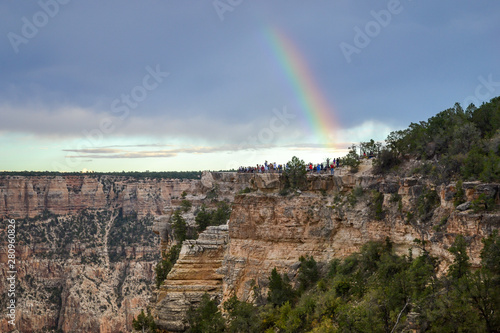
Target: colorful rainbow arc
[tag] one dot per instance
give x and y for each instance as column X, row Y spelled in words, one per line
column 315, row 107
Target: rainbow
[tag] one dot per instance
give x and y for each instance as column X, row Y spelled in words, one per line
column 318, row 112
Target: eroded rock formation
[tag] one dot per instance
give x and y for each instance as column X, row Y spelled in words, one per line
column 332, row 218
column 22, row 196
column 195, row 273
column 85, row 251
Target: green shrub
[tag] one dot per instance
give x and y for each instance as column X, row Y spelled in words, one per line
column 294, row 176
column 308, row 273
column 358, row 191
column 179, row 226
column 441, row 223
column 245, row 190
column 395, row 197
column 206, row 317
column 284, row 192
column 186, row 205
column 165, row 265
column 386, row 161
column 458, row 197
column 280, row 289
column 483, row 203
column 219, row 216
column 378, row 201
column 352, row 159
column 427, row 201
column 242, row 316
column 144, row 323
column 203, row 218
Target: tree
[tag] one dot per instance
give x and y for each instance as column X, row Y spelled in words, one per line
column 352, row 159
column 206, row 317
column 280, row 289
column 308, row 273
column 179, row 226
column 186, row 205
column 370, row 147
column 144, row 323
column 165, row 265
column 295, row 174
column 485, row 290
column 461, row 264
column 221, row 214
column 490, row 254
column 387, row 159
column 243, row 316
column 203, row 218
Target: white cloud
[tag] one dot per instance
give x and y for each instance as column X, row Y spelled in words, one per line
column 370, row 129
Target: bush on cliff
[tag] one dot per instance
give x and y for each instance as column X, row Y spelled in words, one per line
column 165, row 265
column 206, row 317
column 179, row 226
column 242, row 316
column 308, row 273
column 280, row 289
column 352, row 159
column 294, row 176
column 375, row 290
column 464, row 144
column 206, row 217
column 144, row 323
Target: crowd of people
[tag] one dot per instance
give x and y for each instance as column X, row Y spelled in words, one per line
column 264, row 168
column 324, row 167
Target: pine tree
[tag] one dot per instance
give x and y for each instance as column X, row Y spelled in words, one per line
column 280, row 289
column 180, row 227
column 144, row 323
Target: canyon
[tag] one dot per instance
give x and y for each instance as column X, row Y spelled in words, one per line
column 331, row 217
column 85, row 249
column 87, row 245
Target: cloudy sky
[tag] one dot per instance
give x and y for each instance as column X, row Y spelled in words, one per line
column 196, row 85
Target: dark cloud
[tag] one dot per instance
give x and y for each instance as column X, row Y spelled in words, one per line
column 224, row 77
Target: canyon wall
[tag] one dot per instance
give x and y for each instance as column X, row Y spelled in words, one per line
column 85, row 250
column 29, row 196
column 331, row 217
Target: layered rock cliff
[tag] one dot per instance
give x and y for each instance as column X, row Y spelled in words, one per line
column 331, row 218
column 85, row 250
column 194, row 274
column 30, row 196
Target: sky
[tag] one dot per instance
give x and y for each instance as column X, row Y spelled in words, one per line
column 213, row 85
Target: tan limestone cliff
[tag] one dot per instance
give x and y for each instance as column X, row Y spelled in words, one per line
column 22, row 196
column 73, row 284
column 332, row 217
column 194, row 274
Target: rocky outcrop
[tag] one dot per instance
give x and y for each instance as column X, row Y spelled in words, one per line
column 85, row 252
column 86, row 263
column 194, row 274
column 81, row 266
column 29, row 196
column 87, row 285
column 331, row 217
